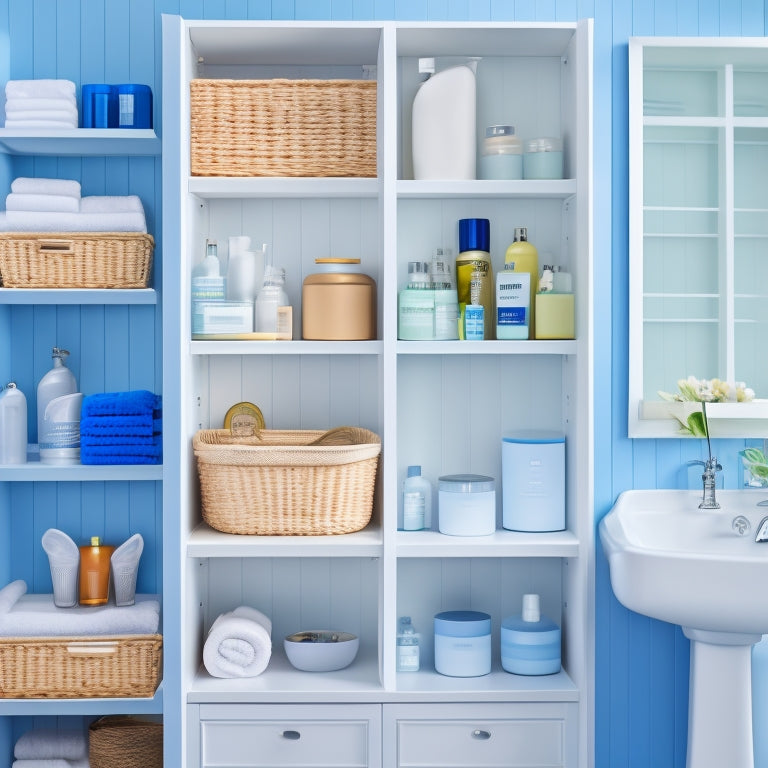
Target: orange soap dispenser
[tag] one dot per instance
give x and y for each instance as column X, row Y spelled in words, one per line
column 94, row 572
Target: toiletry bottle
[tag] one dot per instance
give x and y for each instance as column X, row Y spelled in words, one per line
column 245, row 269
column 474, row 312
column 270, row 298
column 208, row 284
column 446, row 297
column 13, row 425
column 530, row 642
column 94, row 572
column 57, row 382
column 525, row 258
column 407, row 646
column 474, row 257
column 443, row 128
column 417, row 501
column 416, row 305
column 513, row 309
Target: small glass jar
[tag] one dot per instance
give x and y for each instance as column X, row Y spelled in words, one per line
column 543, row 158
column 502, row 153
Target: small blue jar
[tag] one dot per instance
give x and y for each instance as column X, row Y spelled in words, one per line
column 463, row 643
column 530, row 643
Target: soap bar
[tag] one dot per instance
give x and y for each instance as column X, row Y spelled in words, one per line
column 554, row 316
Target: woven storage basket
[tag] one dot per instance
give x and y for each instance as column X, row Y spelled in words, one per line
column 283, row 127
column 75, row 259
column 80, row 667
column 125, row 742
column 276, row 484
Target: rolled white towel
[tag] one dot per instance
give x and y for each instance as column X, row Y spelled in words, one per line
column 111, row 204
column 39, row 89
column 53, row 221
column 58, row 115
column 10, row 594
column 42, row 186
column 41, row 123
column 21, row 105
column 47, row 743
column 239, row 644
column 54, row 762
column 20, row 201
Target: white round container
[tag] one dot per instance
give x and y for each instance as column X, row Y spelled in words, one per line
column 467, row 505
column 463, row 643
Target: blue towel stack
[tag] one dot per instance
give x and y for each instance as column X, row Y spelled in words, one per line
column 121, row 428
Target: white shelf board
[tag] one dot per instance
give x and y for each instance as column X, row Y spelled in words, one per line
column 78, row 296
column 204, row 541
column 499, row 544
column 34, row 471
column 532, row 347
column 285, row 347
column 218, row 187
column 656, row 418
column 557, row 188
column 96, row 142
column 105, row 706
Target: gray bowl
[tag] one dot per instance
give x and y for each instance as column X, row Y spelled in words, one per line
column 321, row 650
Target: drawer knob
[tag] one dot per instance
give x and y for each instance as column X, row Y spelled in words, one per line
column 481, row 735
column 291, row 735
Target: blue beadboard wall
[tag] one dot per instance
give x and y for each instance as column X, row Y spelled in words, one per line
column 642, row 665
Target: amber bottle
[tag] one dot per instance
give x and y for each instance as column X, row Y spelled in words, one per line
column 94, row 572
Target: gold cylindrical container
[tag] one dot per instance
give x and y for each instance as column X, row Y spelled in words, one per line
column 337, row 304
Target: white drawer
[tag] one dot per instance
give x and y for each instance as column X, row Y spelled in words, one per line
column 316, row 737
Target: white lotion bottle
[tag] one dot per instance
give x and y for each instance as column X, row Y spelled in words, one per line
column 13, row 425
column 444, row 130
column 417, row 501
column 59, row 381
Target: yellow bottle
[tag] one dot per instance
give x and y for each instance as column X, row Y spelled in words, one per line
column 525, row 258
column 94, row 572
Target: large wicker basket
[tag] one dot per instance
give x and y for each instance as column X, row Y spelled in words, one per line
column 75, row 259
column 276, row 484
column 117, row 741
column 283, row 127
column 80, row 667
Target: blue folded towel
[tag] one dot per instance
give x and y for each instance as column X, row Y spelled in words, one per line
column 151, row 452
column 133, row 403
column 144, row 425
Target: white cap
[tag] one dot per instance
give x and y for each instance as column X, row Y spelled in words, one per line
column 531, row 610
column 427, row 66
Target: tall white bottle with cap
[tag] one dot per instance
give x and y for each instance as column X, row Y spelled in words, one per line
column 13, row 425
column 59, row 381
column 444, row 125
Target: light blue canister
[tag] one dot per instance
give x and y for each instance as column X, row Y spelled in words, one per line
column 543, row 158
column 530, row 643
column 463, row 643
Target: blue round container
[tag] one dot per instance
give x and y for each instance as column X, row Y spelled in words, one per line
column 463, row 643
column 530, row 647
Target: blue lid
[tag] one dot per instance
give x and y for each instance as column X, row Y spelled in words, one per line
column 534, row 436
column 474, row 235
column 414, row 470
column 462, row 623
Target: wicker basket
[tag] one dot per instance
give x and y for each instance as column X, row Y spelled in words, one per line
column 75, row 259
column 276, row 484
column 125, row 742
column 80, row 667
column 283, row 127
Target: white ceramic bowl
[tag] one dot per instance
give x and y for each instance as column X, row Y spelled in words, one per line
column 321, row 650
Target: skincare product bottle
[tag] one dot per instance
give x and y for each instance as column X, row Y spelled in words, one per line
column 524, row 257
column 208, row 284
column 94, row 572
column 57, row 382
column 475, row 259
column 530, row 642
column 513, row 307
column 271, row 297
column 474, row 312
column 555, row 308
column 416, row 305
column 60, row 438
column 407, row 646
column 443, row 127
column 245, row 269
column 502, row 154
column 13, row 425
column 417, row 501
column 445, row 295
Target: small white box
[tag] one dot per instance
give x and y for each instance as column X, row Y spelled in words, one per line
column 211, row 317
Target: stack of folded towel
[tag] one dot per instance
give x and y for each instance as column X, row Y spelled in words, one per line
column 51, row 748
column 239, row 644
column 40, row 104
column 55, row 205
column 121, row 428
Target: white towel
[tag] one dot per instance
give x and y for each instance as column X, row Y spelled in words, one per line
column 37, row 616
column 21, row 105
column 20, row 201
column 10, row 594
column 41, row 186
column 239, row 644
column 52, row 763
column 111, row 204
column 39, row 89
column 41, row 123
column 58, row 115
column 47, row 743
column 53, row 221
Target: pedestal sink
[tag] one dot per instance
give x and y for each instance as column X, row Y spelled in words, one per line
column 703, row 570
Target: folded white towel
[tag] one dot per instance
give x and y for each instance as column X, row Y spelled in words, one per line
column 41, row 123
column 239, row 644
column 41, row 186
column 37, row 616
column 53, row 221
column 46, row 743
column 111, row 204
column 52, row 763
column 10, row 594
column 39, row 89
column 21, row 105
column 20, row 201
column 66, row 115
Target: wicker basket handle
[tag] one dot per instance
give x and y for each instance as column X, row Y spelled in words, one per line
column 92, row 648
column 55, row 246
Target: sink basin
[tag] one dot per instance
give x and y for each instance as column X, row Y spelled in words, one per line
column 672, row 561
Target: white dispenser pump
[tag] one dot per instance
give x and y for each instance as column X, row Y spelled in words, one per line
column 444, row 132
column 531, row 608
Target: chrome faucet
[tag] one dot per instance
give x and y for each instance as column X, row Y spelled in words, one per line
column 711, row 468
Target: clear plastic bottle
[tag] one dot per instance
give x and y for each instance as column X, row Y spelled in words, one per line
column 13, row 425
column 245, row 269
column 407, row 646
column 417, row 501
column 57, row 382
column 446, row 296
column 270, row 297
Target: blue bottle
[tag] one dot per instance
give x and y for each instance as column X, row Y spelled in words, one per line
column 530, row 643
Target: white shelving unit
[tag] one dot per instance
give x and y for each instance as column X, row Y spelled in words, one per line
column 444, row 405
